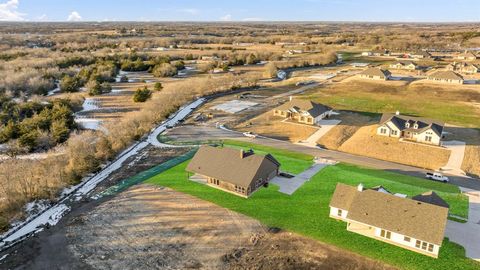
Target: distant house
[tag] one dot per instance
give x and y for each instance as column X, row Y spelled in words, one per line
column 380, row 52
column 432, row 198
column 375, row 74
column 421, row 54
column 463, row 67
column 467, row 55
column 233, row 170
column 368, row 53
column 408, row 65
column 411, row 128
column 446, row 77
column 303, row 111
column 406, row 223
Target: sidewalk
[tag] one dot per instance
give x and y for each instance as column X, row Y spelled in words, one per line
column 325, row 126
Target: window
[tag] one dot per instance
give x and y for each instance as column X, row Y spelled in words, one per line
column 407, row 125
column 383, row 131
column 406, row 239
column 394, row 132
column 385, row 234
column 424, row 245
column 428, row 138
column 339, row 212
column 430, row 247
column 418, row 243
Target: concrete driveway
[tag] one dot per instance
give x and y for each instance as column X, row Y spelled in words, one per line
column 290, row 185
column 454, row 164
column 325, row 126
column 468, row 234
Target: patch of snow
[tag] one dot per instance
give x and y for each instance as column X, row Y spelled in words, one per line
column 90, row 104
column 3, row 257
column 54, row 91
column 89, row 123
column 35, row 207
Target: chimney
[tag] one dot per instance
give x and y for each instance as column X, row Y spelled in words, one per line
column 397, row 113
column 360, row 187
column 291, row 98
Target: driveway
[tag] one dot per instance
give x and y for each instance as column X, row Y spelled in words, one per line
column 325, row 126
column 290, row 185
column 468, row 234
column 454, row 164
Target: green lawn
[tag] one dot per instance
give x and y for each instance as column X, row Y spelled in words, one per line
column 306, row 212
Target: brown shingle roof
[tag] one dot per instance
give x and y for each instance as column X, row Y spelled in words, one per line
column 230, row 165
column 446, row 75
column 432, row 198
column 314, row 109
column 415, row 219
column 343, row 196
column 376, row 72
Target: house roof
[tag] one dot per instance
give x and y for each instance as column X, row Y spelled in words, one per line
column 232, row 165
column 376, row 72
column 423, row 53
column 404, row 216
column 380, row 189
column 446, row 75
column 432, row 198
column 314, row 109
column 468, row 54
column 405, row 63
column 400, row 122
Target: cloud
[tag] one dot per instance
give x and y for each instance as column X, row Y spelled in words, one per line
column 43, row 17
column 74, row 17
column 252, row 19
column 9, row 11
column 227, row 17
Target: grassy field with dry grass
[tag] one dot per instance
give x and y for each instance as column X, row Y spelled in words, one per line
column 366, row 143
column 471, row 161
column 272, row 126
column 351, row 122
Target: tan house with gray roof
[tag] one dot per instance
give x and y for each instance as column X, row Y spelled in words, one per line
column 233, row 170
column 421, row 54
column 411, row 128
column 446, row 77
column 467, row 55
column 403, row 222
column 303, row 111
column 463, row 67
column 375, row 74
column 408, row 65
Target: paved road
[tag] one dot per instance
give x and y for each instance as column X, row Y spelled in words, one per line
column 205, row 132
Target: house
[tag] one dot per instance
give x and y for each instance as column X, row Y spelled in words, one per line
column 411, row 128
column 463, row 67
column 303, row 111
column 233, row 170
column 467, row 55
column 380, row 52
column 408, row 65
column 421, row 54
column 446, row 76
column 432, row 198
column 375, row 74
column 367, row 53
column 403, row 222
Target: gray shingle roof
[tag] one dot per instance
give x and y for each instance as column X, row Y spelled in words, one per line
column 314, row 109
column 376, row 72
column 423, row 123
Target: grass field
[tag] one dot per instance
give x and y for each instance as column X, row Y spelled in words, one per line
column 453, row 106
column 306, row 212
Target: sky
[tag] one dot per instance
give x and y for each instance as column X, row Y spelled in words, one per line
column 242, row 10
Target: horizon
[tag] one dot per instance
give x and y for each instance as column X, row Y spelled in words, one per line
column 369, row 11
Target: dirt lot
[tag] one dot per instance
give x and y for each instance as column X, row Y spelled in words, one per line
column 271, row 126
column 351, row 122
column 365, row 142
column 150, row 227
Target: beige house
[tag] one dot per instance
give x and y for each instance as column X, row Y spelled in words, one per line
column 446, row 77
column 375, row 74
column 403, row 222
column 463, row 67
column 233, row 170
column 411, row 128
column 467, row 55
column 404, row 65
column 421, row 54
column 303, row 111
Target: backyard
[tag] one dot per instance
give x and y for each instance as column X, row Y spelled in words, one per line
column 306, row 211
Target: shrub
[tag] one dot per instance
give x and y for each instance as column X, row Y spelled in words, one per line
column 142, row 94
column 69, row 84
column 158, row 86
column 164, row 70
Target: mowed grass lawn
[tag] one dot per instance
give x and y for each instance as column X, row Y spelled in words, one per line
column 306, row 211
